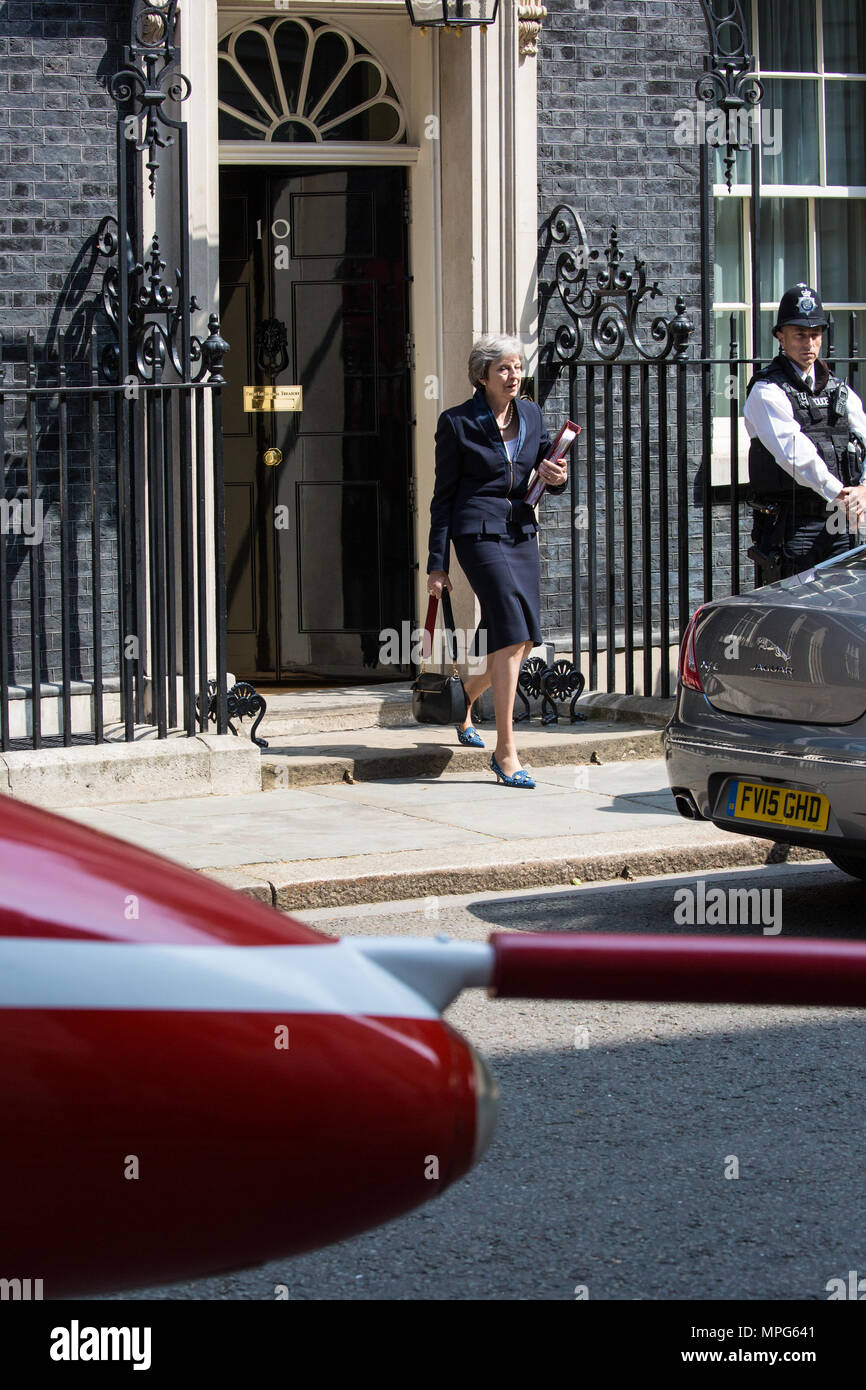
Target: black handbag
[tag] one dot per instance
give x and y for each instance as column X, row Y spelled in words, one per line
column 438, row 698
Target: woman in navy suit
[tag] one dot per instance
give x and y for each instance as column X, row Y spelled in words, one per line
column 486, row 450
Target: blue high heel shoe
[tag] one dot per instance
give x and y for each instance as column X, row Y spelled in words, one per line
column 469, row 736
column 521, row 778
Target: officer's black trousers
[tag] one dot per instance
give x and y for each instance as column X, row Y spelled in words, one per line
column 806, row 544
column 811, row 543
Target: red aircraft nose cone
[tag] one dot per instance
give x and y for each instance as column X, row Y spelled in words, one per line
column 194, row 1082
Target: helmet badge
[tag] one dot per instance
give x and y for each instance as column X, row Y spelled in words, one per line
column 806, row 303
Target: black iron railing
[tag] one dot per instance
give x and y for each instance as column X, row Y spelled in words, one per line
column 104, row 560
column 112, row 546
column 659, row 525
column 660, row 520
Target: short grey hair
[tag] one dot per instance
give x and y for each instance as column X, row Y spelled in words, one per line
column 489, row 349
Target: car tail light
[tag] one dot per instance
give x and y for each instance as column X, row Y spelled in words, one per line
column 690, row 675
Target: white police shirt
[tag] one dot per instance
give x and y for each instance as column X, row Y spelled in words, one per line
column 770, row 416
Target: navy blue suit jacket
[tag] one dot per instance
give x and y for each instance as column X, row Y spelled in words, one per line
column 478, row 489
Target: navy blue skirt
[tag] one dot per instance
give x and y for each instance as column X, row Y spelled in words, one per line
column 505, row 575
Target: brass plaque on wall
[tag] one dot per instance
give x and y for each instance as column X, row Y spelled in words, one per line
column 273, row 398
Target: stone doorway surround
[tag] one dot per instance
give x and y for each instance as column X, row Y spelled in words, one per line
column 470, row 152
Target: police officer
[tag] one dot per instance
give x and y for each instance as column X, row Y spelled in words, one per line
column 808, row 443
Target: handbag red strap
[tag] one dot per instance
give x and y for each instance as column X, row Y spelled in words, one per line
column 430, row 624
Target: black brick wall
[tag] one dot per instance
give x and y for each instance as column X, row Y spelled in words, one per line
column 610, row 79
column 57, row 175
column 57, row 180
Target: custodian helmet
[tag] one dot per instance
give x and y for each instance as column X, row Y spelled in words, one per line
column 802, row 308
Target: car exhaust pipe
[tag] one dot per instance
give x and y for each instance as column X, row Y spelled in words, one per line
column 687, row 806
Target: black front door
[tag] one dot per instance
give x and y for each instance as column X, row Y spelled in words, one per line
column 318, row 528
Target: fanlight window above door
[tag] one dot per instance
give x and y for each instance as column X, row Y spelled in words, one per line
column 292, row 80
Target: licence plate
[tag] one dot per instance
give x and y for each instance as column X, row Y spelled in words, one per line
column 790, row 806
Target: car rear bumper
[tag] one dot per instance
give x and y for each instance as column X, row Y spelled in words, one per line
column 705, row 749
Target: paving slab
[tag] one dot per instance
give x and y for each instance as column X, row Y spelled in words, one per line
column 329, row 845
column 648, row 777
column 285, row 826
column 552, row 813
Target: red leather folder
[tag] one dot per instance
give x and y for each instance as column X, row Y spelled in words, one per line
column 561, row 444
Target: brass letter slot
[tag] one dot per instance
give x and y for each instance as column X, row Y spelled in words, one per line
column 273, row 398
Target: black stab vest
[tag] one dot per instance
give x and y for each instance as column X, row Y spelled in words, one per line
column 822, row 415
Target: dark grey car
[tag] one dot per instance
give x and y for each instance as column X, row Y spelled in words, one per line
column 769, row 732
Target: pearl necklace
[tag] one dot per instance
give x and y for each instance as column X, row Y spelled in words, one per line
column 507, row 425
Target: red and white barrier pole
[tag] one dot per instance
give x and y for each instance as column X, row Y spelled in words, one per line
column 693, row 969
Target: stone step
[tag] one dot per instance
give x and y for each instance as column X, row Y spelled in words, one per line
column 334, row 710
column 413, row 750
column 385, row 706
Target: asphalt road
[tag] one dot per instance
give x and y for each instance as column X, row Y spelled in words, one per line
column 608, row 1167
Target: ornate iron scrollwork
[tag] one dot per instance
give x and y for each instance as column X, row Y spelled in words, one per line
column 551, row 684
column 242, row 702
column 529, row 684
column 608, row 302
column 153, row 343
column 729, row 82
column 158, row 312
column 564, row 680
column 150, row 79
